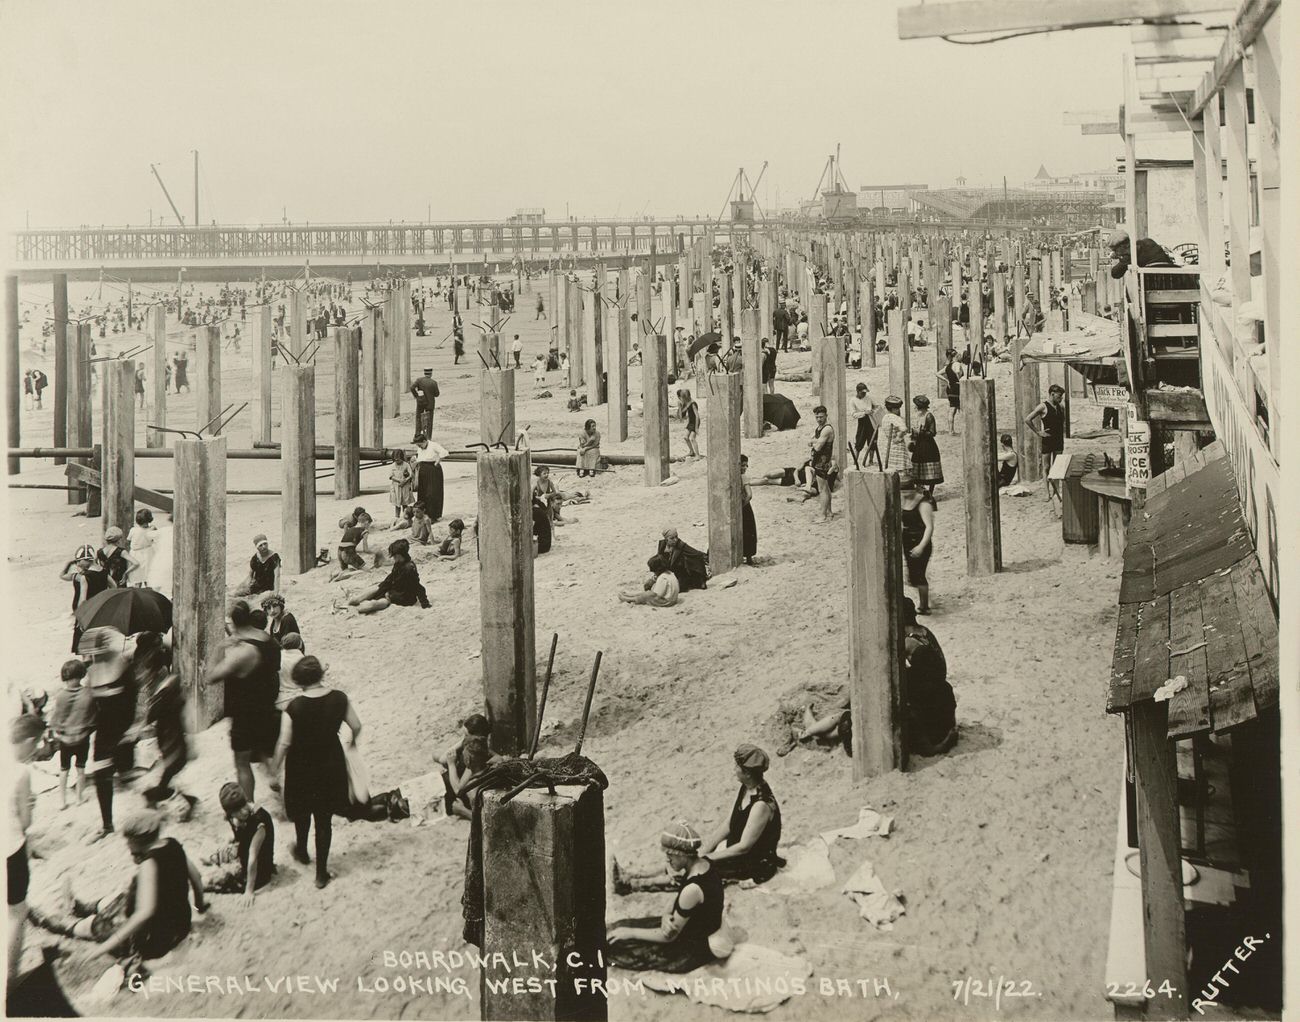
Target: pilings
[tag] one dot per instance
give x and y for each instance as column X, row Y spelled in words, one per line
column 616, row 364
column 505, row 534
column 592, row 360
column 81, row 401
column 117, row 468
column 298, row 465
column 868, row 314
column 941, row 329
column 60, row 362
column 980, row 469
column 1026, row 380
column 900, row 363
column 371, row 379
column 726, row 538
column 654, row 398
column 199, row 572
column 14, row 391
column 207, row 378
column 752, row 372
column 875, row 622
column 296, row 339
column 828, row 352
column 544, row 890
column 347, row 427
column 577, row 367
column 158, row 358
column 496, row 409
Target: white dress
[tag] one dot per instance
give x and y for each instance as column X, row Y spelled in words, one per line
column 160, row 565
column 140, row 540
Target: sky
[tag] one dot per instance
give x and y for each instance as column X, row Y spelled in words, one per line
column 359, row 111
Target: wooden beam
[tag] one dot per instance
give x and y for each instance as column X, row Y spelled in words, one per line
column 654, row 403
column 118, row 475
column 298, row 468
column 1164, row 926
column 962, row 17
column 79, row 473
column 1103, row 128
column 1165, row 33
column 1149, row 72
column 1235, row 146
column 980, row 470
column 1176, row 51
column 1086, row 116
column 1268, row 130
column 199, row 572
column 1250, row 21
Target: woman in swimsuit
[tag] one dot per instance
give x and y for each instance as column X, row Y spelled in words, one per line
column 680, row 940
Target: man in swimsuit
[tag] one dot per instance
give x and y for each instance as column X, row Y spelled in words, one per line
column 823, row 462
column 250, row 670
column 1051, row 416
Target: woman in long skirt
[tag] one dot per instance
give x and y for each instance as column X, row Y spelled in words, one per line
column 588, row 449
column 428, row 475
column 927, row 468
column 749, row 527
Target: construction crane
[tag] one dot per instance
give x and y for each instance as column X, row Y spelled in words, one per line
column 740, row 181
column 179, row 219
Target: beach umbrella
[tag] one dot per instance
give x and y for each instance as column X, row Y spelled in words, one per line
column 780, row 411
column 128, row 610
column 702, row 342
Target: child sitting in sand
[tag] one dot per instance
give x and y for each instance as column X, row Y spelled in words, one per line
column 354, row 535
column 247, row 863
column 421, row 526
column 463, row 761
column 449, row 548
column 575, row 402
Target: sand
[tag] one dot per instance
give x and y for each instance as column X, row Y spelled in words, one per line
column 1002, row 849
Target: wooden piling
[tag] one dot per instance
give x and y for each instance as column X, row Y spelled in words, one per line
column 900, row 363
column 828, row 351
column 998, row 285
column 296, row 340
column 577, row 364
column 207, row 379
column 158, row 360
column 654, row 397
column 496, row 412
column 941, row 329
column 61, row 366
column 80, row 395
column 13, row 373
column 1028, row 394
column 616, row 365
column 543, row 869
column 371, row 376
column 752, row 373
column 726, row 538
column 199, row 572
column 298, row 466
column 505, row 537
column 875, row 622
column 347, row 426
column 868, row 314
column 980, row 470
column 117, row 467
column 593, row 363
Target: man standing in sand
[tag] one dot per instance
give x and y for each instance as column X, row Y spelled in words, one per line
column 425, row 390
column 1050, row 416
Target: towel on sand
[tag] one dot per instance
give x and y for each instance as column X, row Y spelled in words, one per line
column 876, row 905
column 870, row 824
column 807, row 868
column 753, row 980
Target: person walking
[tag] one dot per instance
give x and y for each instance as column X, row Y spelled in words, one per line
column 315, row 772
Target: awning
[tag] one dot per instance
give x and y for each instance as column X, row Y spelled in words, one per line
column 1095, row 340
column 1193, row 603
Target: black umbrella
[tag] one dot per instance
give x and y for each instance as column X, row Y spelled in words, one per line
column 702, row 342
column 780, row 411
column 128, row 610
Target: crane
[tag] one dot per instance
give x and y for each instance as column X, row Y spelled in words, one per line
column 179, row 219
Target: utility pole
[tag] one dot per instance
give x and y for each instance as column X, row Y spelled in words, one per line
column 196, row 188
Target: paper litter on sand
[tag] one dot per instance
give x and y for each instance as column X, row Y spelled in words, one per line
column 425, row 795
column 870, row 824
column 878, row 906
column 808, row 868
column 712, row 984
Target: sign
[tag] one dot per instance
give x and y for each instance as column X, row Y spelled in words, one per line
column 1109, row 395
column 1137, row 452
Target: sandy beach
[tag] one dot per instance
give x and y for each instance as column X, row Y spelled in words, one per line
column 1001, row 850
